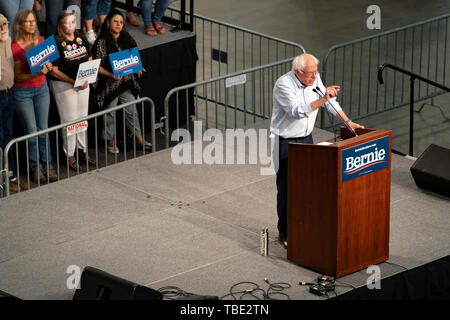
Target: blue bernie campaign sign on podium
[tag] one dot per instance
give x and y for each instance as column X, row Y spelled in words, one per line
column 125, row 62
column 365, row 158
column 44, row 52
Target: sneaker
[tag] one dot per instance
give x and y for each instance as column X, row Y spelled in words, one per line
column 113, row 150
column 90, row 36
column 283, row 240
column 37, row 175
column 147, row 146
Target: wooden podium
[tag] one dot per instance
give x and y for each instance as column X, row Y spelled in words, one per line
column 337, row 227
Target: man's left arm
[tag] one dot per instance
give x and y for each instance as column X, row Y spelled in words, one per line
column 347, row 120
column 334, row 106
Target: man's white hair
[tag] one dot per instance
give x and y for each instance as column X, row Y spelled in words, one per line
column 299, row 62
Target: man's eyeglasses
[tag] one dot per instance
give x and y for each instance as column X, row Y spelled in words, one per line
column 311, row 73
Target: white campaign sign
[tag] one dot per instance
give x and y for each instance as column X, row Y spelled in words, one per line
column 76, row 128
column 234, row 81
column 87, row 71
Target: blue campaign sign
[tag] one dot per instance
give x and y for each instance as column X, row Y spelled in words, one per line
column 125, row 62
column 44, row 52
column 365, row 158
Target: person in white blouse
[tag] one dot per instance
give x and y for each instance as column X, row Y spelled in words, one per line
column 296, row 102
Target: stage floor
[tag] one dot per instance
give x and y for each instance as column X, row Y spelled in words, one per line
column 192, row 226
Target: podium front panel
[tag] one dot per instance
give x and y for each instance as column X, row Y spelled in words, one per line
column 337, row 226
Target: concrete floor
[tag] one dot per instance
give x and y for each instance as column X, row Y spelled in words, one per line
column 196, row 227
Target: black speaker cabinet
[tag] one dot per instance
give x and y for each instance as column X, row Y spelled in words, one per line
column 7, row 296
column 431, row 171
column 96, row 284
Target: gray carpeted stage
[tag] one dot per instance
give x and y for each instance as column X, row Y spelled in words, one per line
column 191, row 226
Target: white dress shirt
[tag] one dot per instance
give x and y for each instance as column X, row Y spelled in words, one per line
column 292, row 116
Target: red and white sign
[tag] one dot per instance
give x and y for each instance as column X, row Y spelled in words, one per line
column 76, row 128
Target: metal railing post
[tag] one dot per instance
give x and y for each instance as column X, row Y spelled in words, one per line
column 413, row 77
column 411, row 116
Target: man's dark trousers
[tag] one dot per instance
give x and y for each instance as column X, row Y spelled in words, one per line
column 282, row 176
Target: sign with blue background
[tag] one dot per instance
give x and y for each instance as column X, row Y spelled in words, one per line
column 365, row 158
column 44, row 52
column 125, row 62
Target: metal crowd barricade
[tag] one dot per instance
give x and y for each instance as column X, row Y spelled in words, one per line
column 236, row 99
column 224, row 48
column 227, row 51
column 101, row 154
column 420, row 47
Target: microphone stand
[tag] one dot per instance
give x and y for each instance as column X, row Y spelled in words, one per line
column 316, row 90
column 329, row 116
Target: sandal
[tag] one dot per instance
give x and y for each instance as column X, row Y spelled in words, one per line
column 89, row 160
column 159, row 27
column 150, row 31
column 73, row 164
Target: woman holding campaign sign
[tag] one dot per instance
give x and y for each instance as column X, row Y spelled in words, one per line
column 112, row 90
column 31, row 94
column 72, row 102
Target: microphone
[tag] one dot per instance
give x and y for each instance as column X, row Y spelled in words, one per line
column 329, row 116
column 317, row 90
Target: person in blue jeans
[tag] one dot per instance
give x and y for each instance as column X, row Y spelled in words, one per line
column 7, row 105
column 31, row 95
column 9, row 8
column 152, row 21
column 52, row 10
column 90, row 9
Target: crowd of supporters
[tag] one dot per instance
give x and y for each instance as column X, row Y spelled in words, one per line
column 27, row 96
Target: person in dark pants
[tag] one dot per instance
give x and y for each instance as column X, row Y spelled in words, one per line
column 111, row 91
column 295, row 108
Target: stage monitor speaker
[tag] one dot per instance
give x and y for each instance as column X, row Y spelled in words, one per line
column 96, row 284
column 7, row 296
column 431, row 171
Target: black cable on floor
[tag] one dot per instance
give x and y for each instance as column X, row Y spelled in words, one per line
column 274, row 292
column 173, row 293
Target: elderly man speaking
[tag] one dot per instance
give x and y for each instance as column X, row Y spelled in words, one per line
column 296, row 102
